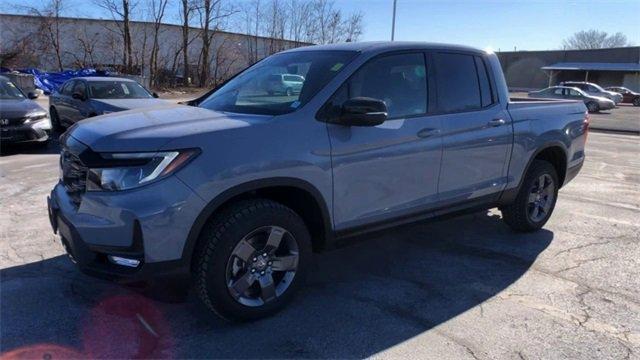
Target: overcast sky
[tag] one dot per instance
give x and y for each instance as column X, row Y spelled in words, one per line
column 498, row 24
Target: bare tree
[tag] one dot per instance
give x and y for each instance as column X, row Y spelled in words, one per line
column 120, row 11
column 299, row 13
column 87, row 45
column 252, row 24
column 187, row 12
column 211, row 14
column 49, row 15
column 157, row 8
column 353, row 27
column 595, row 39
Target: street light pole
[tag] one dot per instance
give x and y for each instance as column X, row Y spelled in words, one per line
column 393, row 21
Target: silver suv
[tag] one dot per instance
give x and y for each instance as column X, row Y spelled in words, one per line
column 288, row 84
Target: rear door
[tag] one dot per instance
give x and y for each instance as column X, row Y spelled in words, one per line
column 391, row 170
column 476, row 130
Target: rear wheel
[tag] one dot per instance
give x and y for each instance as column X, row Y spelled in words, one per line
column 252, row 258
column 593, row 106
column 636, row 101
column 535, row 201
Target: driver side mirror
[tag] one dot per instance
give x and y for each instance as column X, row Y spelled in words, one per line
column 154, row 94
column 78, row 96
column 363, row 111
column 32, row 95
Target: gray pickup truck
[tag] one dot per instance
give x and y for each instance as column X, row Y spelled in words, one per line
column 236, row 193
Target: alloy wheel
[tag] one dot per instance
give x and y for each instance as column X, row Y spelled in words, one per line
column 262, row 266
column 541, row 198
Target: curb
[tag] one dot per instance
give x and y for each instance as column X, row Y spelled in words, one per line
column 615, row 131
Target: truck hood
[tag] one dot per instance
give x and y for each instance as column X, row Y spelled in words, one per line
column 149, row 129
column 18, row 108
column 125, row 104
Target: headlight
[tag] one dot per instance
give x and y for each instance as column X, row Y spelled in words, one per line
column 38, row 121
column 131, row 170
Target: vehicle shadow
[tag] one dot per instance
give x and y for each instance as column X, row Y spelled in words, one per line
column 360, row 299
column 50, row 147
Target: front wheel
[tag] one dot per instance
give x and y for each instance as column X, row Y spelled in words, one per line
column 593, row 107
column 535, row 201
column 252, row 258
column 55, row 120
column 636, row 101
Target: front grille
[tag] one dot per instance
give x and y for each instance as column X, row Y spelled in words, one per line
column 14, row 121
column 74, row 176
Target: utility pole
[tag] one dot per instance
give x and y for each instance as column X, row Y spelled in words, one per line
column 393, row 21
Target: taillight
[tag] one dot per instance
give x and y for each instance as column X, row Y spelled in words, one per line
column 585, row 125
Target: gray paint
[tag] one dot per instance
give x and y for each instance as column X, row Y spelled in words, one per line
column 363, row 174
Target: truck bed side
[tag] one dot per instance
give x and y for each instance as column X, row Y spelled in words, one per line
column 541, row 125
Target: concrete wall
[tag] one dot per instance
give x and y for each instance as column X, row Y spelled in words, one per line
column 522, row 68
column 98, row 43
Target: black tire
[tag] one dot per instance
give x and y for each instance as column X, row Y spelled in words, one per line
column 636, row 101
column 518, row 215
column 55, row 120
column 215, row 253
column 593, row 107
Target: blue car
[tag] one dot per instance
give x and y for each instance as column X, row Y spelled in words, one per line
column 83, row 97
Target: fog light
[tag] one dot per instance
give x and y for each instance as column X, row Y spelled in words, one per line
column 124, row 261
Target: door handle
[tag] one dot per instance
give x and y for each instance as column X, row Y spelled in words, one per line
column 496, row 122
column 425, row 133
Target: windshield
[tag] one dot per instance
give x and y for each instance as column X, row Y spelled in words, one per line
column 117, row 90
column 598, row 87
column 279, row 84
column 8, row 91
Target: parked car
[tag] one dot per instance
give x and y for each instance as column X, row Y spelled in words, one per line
column 83, row 97
column 628, row 96
column 236, row 193
column 288, row 84
column 594, row 90
column 21, row 119
column 593, row 103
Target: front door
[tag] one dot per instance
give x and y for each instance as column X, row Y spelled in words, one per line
column 384, row 172
column 476, row 130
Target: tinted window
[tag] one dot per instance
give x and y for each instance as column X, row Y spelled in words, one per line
column 574, row 93
column 259, row 89
column 67, row 89
column 558, row 91
column 398, row 80
column 79, row 88
column 9, row 91
column 118, row 90
column 457, row 82
column 485, row 86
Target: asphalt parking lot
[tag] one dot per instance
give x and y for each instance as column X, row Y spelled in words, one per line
column 464, row 287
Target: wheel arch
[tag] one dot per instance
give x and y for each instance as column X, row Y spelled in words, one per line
column 299, row 195
column 554, row 152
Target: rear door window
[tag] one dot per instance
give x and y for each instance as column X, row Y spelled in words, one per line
column 486, row 93
column 457, row 83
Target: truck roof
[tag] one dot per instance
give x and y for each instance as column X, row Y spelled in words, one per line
column 378, row 46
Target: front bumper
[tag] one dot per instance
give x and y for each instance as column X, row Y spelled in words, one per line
column 149, row 224
column 23, row 133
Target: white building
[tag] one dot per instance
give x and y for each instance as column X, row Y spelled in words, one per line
column 26, row 42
